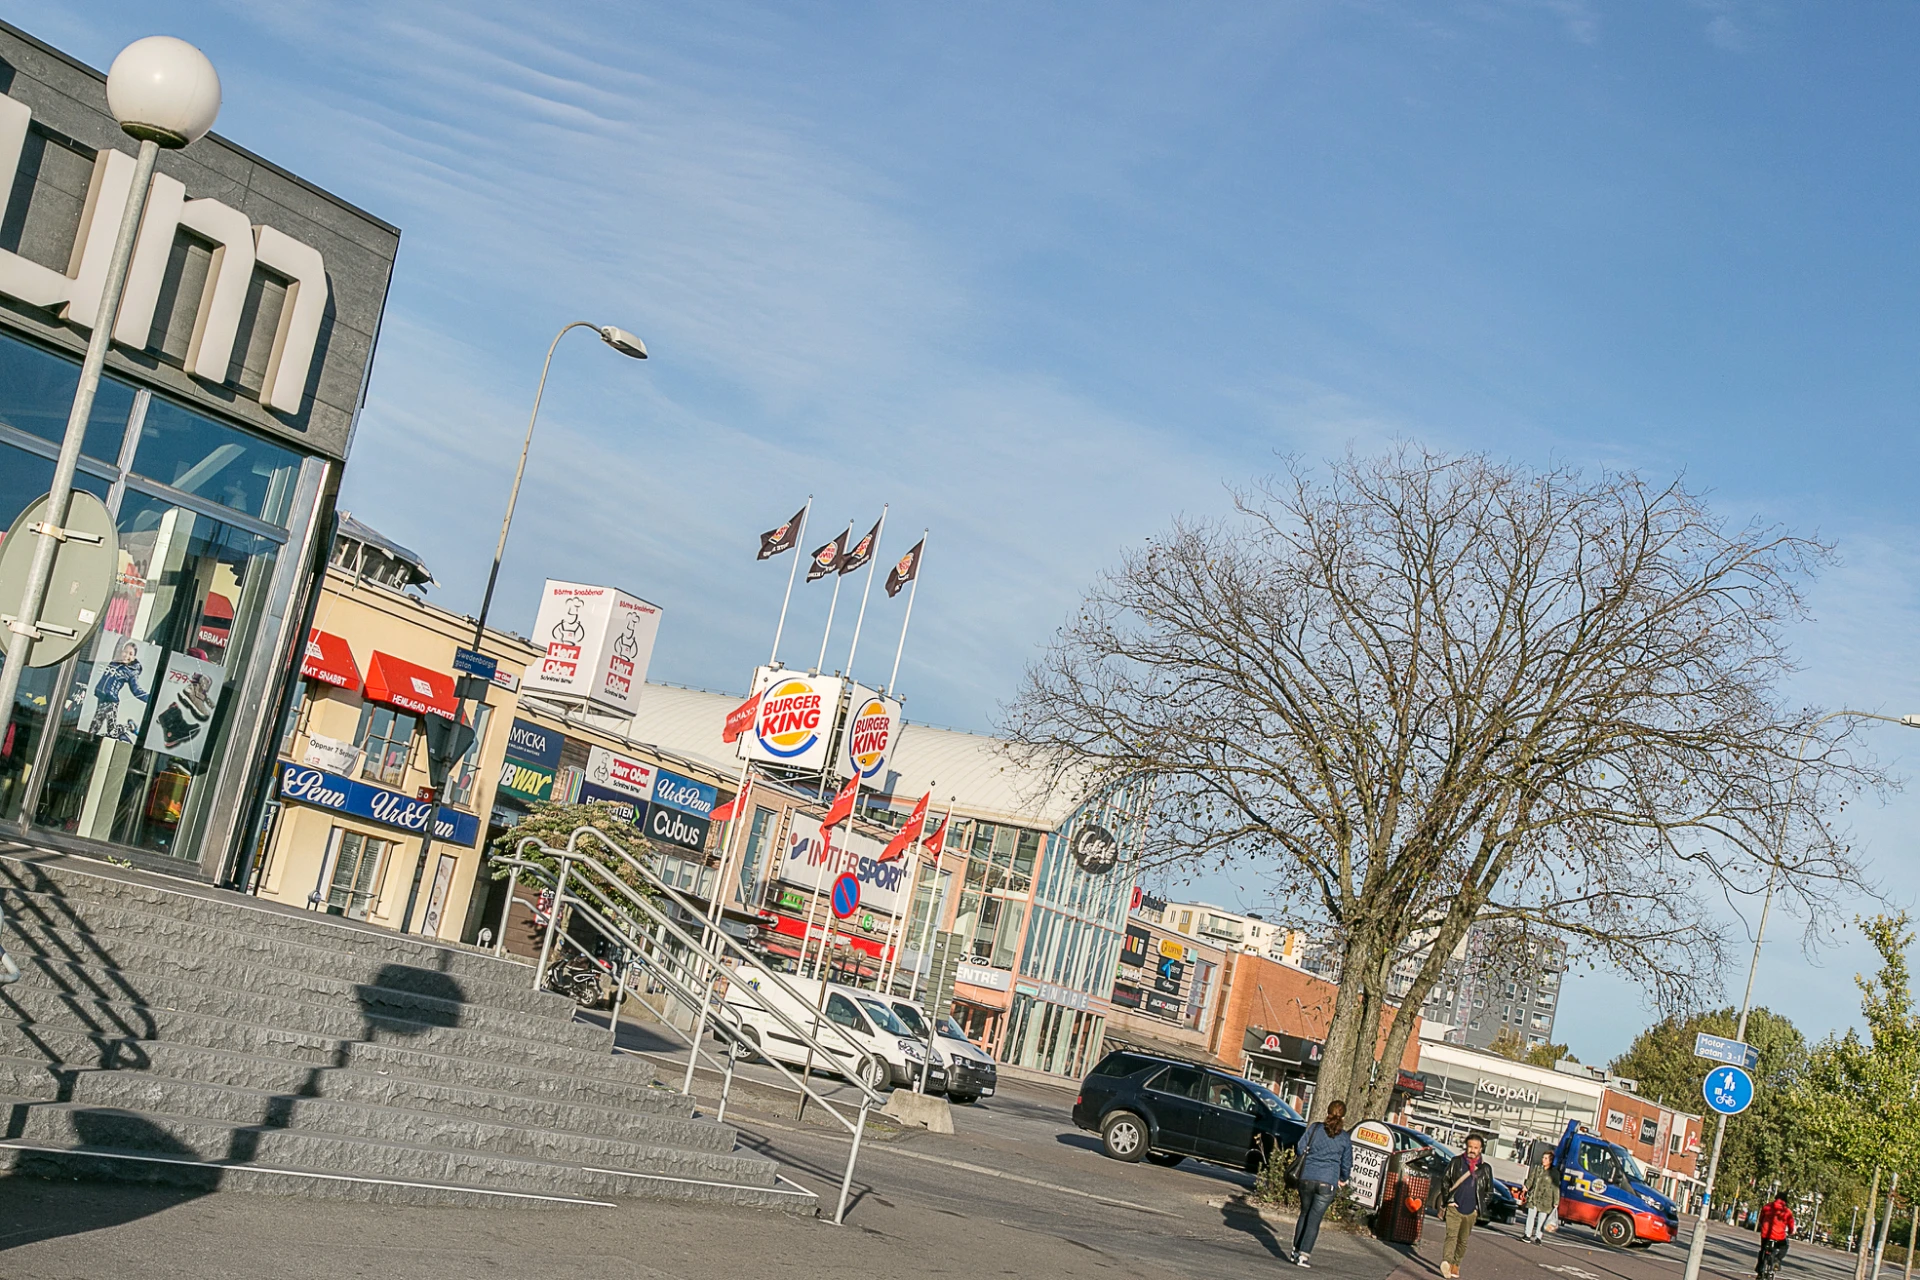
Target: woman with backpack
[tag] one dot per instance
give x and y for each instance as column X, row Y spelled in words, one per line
column 1326, row 1161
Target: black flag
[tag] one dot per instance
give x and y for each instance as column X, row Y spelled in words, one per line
column 862, row 550
column 779, row 541
column 905, row 571
column 828, row 558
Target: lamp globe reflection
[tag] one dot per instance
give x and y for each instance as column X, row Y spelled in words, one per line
column 163, row 90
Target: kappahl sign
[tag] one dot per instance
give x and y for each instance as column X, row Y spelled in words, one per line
column 597, row 642
column 239, row 247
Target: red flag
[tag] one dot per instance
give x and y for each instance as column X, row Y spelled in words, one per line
column 725, row 812
column 842, row 807
column 904, row 838
column 937, row 842
column 740, row 719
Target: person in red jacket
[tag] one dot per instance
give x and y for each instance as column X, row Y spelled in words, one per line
column 1776, row 1224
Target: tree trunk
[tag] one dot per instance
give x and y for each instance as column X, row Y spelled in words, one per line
column 1866, row 1241
column 1886, row 1226
column 1342, row 1063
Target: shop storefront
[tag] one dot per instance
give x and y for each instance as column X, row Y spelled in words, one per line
column 1473, row 1091
column 216, row 444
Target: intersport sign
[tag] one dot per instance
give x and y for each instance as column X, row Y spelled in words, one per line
column 239, row 247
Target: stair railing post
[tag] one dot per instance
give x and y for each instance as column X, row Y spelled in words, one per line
column 706, row 982
column 846, row 1180
column 726, row 1083
column 553, row 923
column 506, row 912
column 619, row 999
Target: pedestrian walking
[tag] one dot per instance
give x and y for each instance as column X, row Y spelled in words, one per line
column 1776, row 1224
column 1469, row 1188
column 1326, row 1161
column 1542, row 1191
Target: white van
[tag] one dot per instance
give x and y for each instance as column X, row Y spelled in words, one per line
column 877, row 1048
column 969, row 1069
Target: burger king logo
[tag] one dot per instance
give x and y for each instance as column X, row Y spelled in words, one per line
column 869, row 734
column 789, row 720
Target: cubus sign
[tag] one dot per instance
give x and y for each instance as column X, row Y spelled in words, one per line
column 596, row 642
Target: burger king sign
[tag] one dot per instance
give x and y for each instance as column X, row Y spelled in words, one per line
column 794, row 722
column 873, row 726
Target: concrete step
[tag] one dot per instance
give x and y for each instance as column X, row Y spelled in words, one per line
column 59, row 1125
column 316, row 1034
column 77, row 894
column 295, row 1000
column 136, row 941
column 559, row 1103
column 687, row 1148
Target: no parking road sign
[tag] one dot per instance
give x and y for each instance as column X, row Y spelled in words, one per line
column 1728, row 1090
column 846, row 895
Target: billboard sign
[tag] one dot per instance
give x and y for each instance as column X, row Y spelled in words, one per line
column 794, row 723
column 677, row 828
column 615, row 772
column 873, row 729
column 805, row 863
column 684, row 794
column 530, row 744
column 596, row 644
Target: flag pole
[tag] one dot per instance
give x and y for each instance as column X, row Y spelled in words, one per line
column 912, row 591
column 821, row 665
column 873, row 562
column 936, row 904
column 897, row 931
column 799, row 549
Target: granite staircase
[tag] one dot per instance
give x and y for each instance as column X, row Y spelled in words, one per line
column 171, row 1033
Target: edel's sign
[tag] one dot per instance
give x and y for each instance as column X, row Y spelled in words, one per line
column 239, row 247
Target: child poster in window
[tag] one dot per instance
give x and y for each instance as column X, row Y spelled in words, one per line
column 120, row 686
column 183, row 706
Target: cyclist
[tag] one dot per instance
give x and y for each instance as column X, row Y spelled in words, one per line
column 1776, row 1224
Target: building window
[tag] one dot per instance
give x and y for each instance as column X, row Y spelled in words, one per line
column 386, row 736
column 463, row 779
column 356, row 871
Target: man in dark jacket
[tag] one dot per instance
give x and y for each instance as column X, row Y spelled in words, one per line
column 1467, row 1189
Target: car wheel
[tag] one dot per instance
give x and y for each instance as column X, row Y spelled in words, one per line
column 1616, row 1230
column 875, row 1074
column 1165, row 1159
column 1124, row 1135
column 963, row 1099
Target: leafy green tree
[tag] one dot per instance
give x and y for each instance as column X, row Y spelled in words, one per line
column 1511, row 1044
column 554, row 824
column 1764, row 1147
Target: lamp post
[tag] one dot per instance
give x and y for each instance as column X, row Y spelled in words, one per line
column 166, row 94
column 1697, row 1246
column 627, row 345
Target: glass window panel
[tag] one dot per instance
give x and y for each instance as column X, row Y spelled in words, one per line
column 355, row 873
column 36, row 395
column 222, row 464
column 386, row 736
column 1009, row 934
column 149, row 707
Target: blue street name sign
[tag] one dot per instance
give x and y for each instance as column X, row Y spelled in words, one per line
column 1728, row 1090
column 469, row 663
column 1735, row 1053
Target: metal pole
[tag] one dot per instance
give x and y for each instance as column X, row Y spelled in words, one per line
column 912, row 591
column 935, row 903
column 506, row 912
column 846, row 1182
column 1697, row 1246
column 821, row 663
column 726, row 1082
column 553, row 923
column 741, row 793
column 619, row 999
column 799, row 544
column 24, row 627
column 873, row 562
column 513, row 495
column 420, row 867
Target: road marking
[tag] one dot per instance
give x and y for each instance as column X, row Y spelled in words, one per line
column 1032, row 1182
column 1570, row 1271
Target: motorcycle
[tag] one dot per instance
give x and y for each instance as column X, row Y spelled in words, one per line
column 580, row 979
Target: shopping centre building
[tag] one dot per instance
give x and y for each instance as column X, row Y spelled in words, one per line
column 238, row 367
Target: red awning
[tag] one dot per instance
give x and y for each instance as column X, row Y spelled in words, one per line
column 790, row 927
column 330, row 661
column 409, row 686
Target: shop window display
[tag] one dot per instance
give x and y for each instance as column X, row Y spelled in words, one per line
column 386, row 737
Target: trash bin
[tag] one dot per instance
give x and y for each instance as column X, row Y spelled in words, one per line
column 1403, row 1203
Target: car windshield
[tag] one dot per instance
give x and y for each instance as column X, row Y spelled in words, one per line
column 883, row 1017
column 952, row 1030
column 1271, row 1098
column 1635, row 1169
column 911, row 1016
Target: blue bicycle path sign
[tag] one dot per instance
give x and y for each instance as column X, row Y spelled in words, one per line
column 1728, row 1090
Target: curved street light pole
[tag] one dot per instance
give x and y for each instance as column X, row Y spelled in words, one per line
column 1697, row 1246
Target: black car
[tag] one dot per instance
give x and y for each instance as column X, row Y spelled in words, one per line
column 1431, row 1158
column 1164, row 1110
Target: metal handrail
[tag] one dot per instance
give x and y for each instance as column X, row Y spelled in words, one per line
column 619, row 917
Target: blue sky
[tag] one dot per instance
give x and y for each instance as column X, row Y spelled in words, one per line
column 1044, row 276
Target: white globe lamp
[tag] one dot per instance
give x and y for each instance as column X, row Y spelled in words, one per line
column 163, row 90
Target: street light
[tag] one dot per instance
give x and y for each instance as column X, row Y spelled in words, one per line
column 1697, row 1247
column 627, row 345
column 166, row 94
column 620, row 340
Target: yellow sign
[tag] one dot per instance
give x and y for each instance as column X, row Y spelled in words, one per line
column 1371, row 1133
column 1172, row 950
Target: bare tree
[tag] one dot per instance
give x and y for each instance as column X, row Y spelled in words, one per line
column 1419, row 690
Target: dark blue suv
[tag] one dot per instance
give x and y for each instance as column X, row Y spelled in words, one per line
column 1164, row 1110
